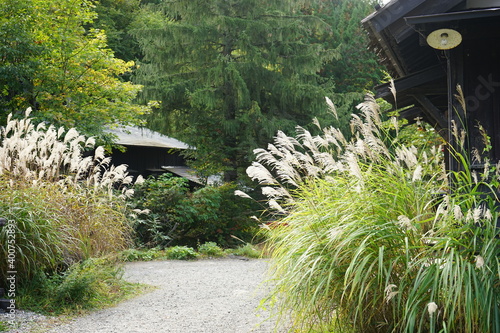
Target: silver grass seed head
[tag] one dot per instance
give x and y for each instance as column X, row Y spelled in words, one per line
column 479, row 262
column 457, row 213
column 432, row 308
column 242, row 194
column 417, row 174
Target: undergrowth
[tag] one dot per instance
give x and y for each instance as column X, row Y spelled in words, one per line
column 205, row 250
column 91, row 284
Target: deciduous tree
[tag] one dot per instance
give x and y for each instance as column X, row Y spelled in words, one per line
column 65, row 72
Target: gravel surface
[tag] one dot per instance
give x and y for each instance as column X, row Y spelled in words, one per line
column 213, row 296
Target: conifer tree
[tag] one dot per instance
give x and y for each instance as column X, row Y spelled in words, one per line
column 357, row 70
column 230, row 73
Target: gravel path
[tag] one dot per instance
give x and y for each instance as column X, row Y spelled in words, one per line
column 213, row 296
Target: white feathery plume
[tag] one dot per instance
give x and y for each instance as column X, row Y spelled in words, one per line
column 120, row 170
column 417, row 174
column 274, row 205
column 60, row 132
column 479, row 262
column 129, row 193
column 354, row 168
column 9, row 126
column 70, row 135
column 360, row 148
column 469, row 215
column 139, row 180
column 275, row 192
column 389, row 292
column 242, row 194
column 331, row 107
column 316, row 123
column 457, row 212
column 127, row 179
column 268, row 157
column 395, row 123
column 337, row 134
column 425, row 158
column 260, row 173
column 432, row 308
column 474, row 176
column 285, row 141
column 476, row 157
column 405, row 223
column 392, row 88
column 486, row 170
column 90, row 142
column 40, row 127
column 476, row 214
column 487, row 215
column 463, row 135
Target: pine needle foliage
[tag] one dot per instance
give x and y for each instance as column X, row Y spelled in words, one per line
column 373, row 239
column 231, row 73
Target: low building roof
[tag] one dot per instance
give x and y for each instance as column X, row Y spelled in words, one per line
column 138, row 136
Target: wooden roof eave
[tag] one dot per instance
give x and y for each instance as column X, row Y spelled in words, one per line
column 414, row 90
column 406, row 83
column 454, row 16
column 381, row 42
column 434, row 115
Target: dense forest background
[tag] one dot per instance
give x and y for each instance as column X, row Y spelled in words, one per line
column 222, row 75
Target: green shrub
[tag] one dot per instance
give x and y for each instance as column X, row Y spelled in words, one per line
column 176, row 216
column 91, row 284
column 372, row 237
column 210, row 249
column 181, row 253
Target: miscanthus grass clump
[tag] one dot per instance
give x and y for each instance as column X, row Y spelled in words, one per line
column 372, row 237
column 64, row 207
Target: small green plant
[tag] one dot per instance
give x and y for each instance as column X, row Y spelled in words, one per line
column 210, row 249
column 141, row 255
column 248, row 250
column 181, row 253
column 4, row 326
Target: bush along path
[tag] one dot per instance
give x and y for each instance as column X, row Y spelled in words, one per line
column 212, row 295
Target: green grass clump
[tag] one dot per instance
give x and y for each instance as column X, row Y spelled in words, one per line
column 142, row 255
column 91, row 284
column 210, row 249
column 248, row 250
column 375, row 236
column 181, row 253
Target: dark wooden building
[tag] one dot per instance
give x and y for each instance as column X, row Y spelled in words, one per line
column 430, row 47
column 150, row 153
